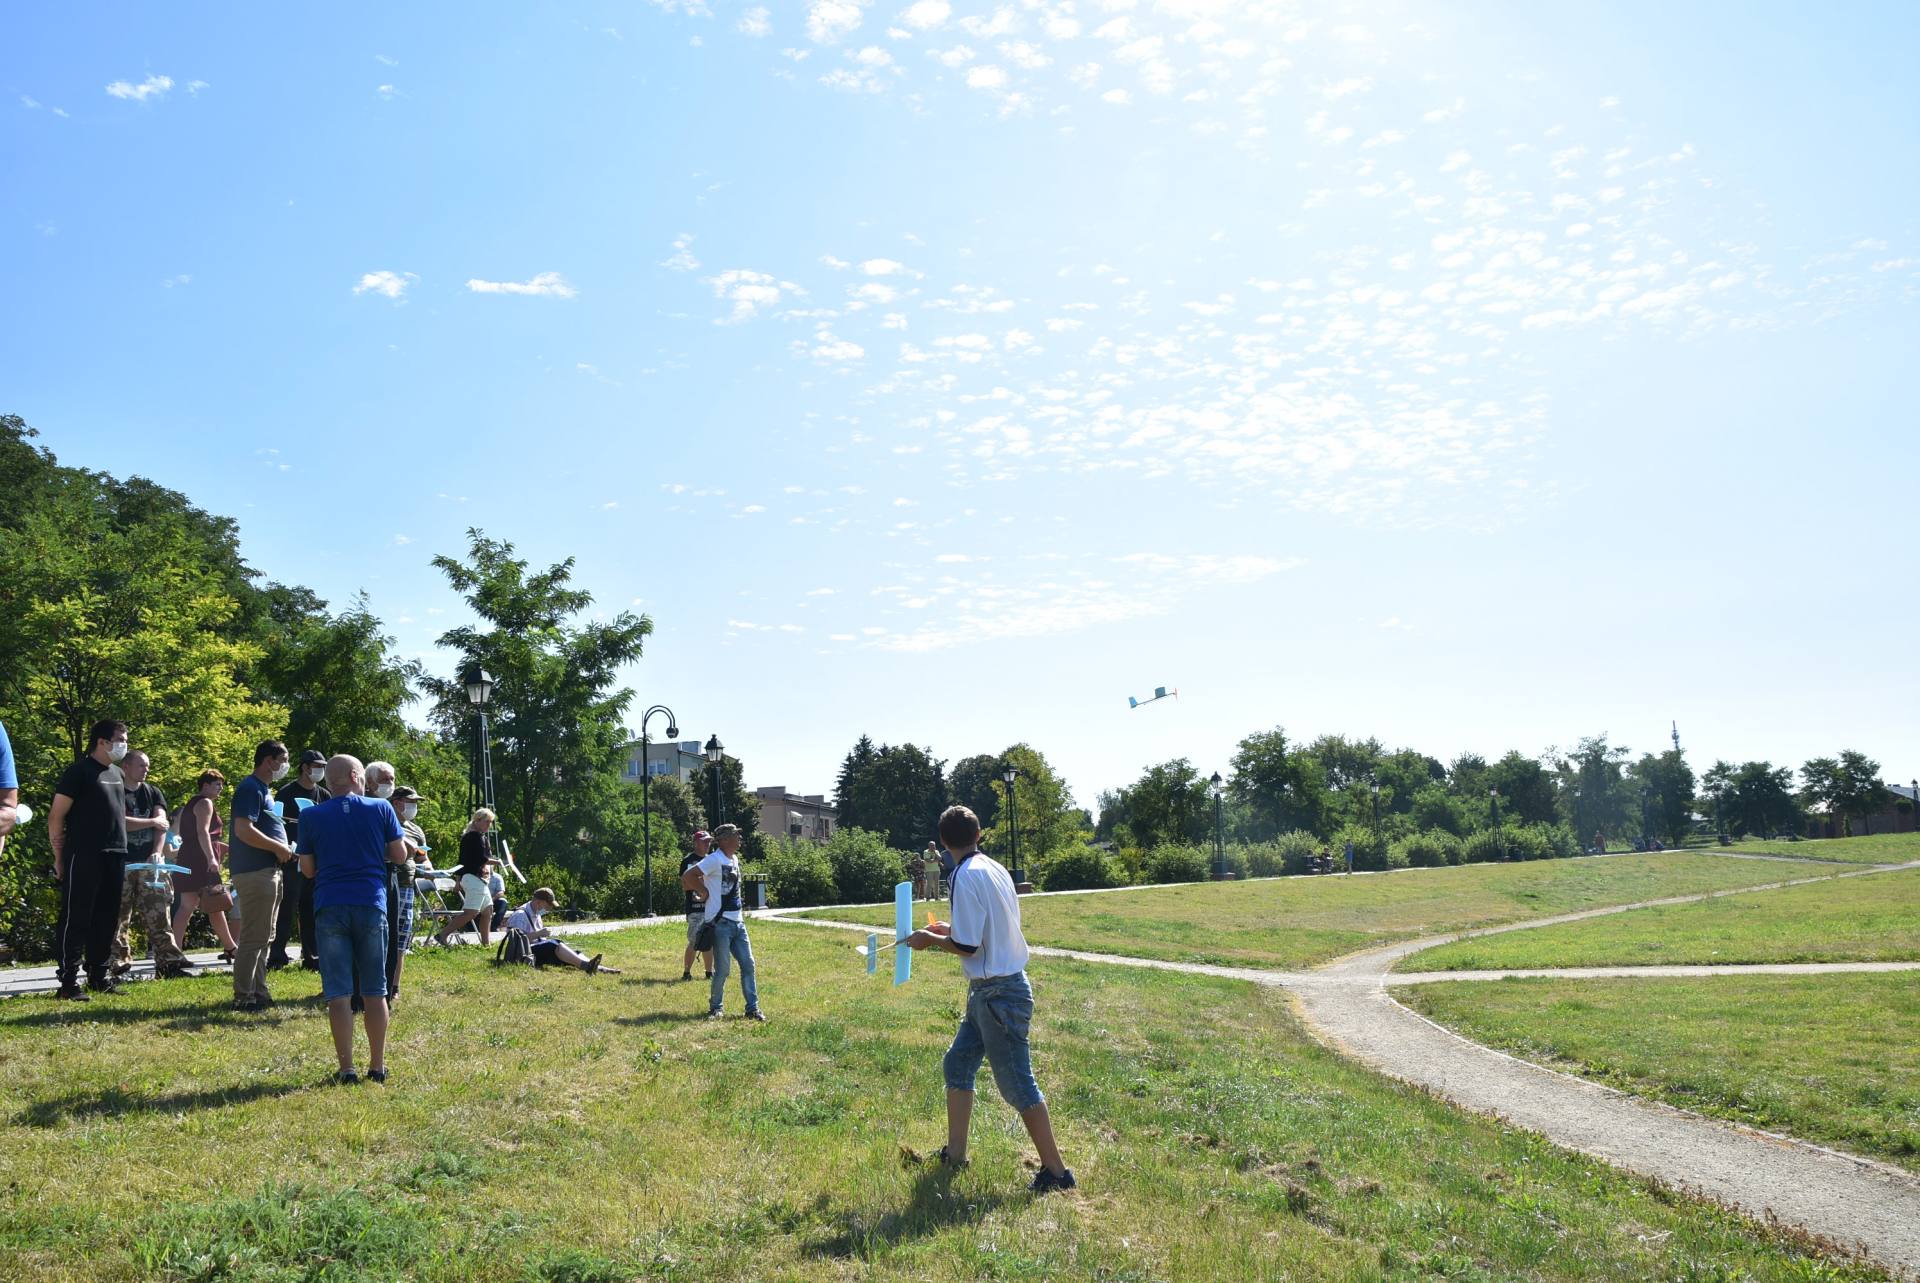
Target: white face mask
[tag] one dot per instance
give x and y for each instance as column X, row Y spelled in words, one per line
column 116, row 750
column 317, row 774
column 385, row 790
column 280, row 771
column 408, row 811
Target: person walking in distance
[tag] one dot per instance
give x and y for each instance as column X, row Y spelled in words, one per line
column 296, row 893
column 87, row 828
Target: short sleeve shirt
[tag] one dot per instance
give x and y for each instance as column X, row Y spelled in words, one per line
column 986, row 915
column 97, row 818
column 526, row 919
column 347, row 838
column 142, row 802
column 251, row 801
column 693, row 901
column 290, row 796
column 722, row 876
column 9, row 773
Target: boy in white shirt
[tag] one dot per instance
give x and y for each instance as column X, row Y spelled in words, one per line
column 985, row 935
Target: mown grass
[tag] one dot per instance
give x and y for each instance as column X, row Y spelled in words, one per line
column 1298, row 922
column 1879, row 848
column 545, row 1126
column 1862, row 919
column 1831, row 1059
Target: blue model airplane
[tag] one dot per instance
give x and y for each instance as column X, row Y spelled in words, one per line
column 1159, row 692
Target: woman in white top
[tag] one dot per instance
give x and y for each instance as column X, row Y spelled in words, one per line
column 546, row 949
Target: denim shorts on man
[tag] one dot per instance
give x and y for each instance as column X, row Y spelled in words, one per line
column 353, row 942
column 999, row 1012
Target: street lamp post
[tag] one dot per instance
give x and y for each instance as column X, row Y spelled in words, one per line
column 1219, row 790
column 1010, row 773
column 646, row 782
column 1374, row 788
column 1646, row 826
column 479, row 684
column 1493, row 804
column 716, row 753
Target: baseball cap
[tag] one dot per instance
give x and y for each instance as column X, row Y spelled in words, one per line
column 702, row 833
column 401, row 793
column 313, row 757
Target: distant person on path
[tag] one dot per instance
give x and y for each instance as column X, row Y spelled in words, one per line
column 985, row 934
column 296, row 893
column 547, row 950
column 146, row 842
column 695, row 905
column 198, row 824
column 9, row 788
column 87, row 828
column 258, row 853
column 719, row 876
column 476, row 897
column 930, row 873
column 1599, row 843
column 346, row 844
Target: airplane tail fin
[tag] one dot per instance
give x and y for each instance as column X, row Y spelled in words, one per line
column 1132, row 702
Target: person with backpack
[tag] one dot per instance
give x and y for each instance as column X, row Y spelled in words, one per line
column 719, row 876
column 543, row 948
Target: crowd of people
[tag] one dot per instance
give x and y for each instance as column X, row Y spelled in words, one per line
column 338, row 852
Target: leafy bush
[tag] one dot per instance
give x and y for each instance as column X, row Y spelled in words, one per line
column 1369, row 848
column 561, row 882
column 1171, row 863
column 798, row 873
column 1559, row 839
column 624, row 893
column 1529, row 842
column 1294, row 849
column 1079, row 868
column 1429, row 850
column 865, row 868
column 1483, row 846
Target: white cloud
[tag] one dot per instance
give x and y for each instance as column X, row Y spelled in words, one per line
column 927, row 14
column 836, row 350
column 882, row 267
column 988, row 77
column 755, row 22
column 151, row 87
column 545, row 285
column 749, row 291
column 828, row 20
column 1440, row 114
column 195, row 86
column 682, row 259
column 386, row 284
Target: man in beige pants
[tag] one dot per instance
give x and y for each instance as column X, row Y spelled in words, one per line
column 258, row 850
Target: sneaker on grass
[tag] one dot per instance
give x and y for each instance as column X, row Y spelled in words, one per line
column 1045, row 1182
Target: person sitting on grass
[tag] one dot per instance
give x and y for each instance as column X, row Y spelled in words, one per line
column 985, row 934
column 476, row 896
column 345, row 846
column 546, row 949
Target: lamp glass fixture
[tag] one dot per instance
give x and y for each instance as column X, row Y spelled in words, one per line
column 715, row 750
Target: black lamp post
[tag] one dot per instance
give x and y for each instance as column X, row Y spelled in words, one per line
column 1218, row 788
column 479, row 684
column 1374, row 788
column 646, row 781
column 1493, row 804
column 716, row 753
column 1010, row 773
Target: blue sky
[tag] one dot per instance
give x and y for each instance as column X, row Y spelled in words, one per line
column 1467, row 376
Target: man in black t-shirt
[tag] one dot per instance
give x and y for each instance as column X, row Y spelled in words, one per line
column 87, row 827
column 296, row 898
column 696, row 906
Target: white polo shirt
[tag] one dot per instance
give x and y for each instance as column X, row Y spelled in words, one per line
column 986, row 915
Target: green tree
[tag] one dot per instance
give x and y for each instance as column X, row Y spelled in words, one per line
column 335, row 674
column 1527, row 794
column 1593, row 789
column 975, row 784
column 1666, row 786
column 1758, row 798
column 1279, row 790
column 1848, row 787
column 1169, row 803
column 556, row 711
column 1044, row 810
column 895, row 790
column 736, row 805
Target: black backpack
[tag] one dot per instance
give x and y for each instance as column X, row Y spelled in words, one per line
column 516, row 949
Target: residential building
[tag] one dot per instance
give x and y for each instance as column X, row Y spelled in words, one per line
column 683, row 760
column 784, row 814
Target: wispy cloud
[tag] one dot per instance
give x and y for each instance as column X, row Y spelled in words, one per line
column 150, row 88
column 391, row 285
column 682, row 259
column 545, row 285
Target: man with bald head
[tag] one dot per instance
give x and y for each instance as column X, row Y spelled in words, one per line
column 146, row 840
column 346, row 844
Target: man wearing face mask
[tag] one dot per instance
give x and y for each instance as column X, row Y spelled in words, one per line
column 87, row 828
column 146, row 836
column 296, row 893
column 400, row 885
column 259, row 848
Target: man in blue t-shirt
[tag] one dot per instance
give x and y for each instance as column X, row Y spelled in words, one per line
column 346, row 844
column 9, row 788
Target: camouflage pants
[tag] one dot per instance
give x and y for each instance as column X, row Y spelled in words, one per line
column 155, row 906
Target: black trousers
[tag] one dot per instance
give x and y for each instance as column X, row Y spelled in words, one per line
column 296, row 899
column 89, row 913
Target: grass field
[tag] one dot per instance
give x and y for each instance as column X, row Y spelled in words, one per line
column 1298, row 922
column 1825, row 1058
column 1864, row 919
column 545, row 1126
column 1881, row 848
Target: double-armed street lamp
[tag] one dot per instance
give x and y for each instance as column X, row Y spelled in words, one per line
column 1218, row 788
column 646, row 780
column 479, row 684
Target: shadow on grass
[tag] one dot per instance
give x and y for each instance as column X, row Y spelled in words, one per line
column 655, row 980
column 661, row 1018
column 113, row 1102
column 931, row 1207
column 189, row 1018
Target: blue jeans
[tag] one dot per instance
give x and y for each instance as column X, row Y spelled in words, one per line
column 353, row 944
column 730, row 945
column 999, row 1012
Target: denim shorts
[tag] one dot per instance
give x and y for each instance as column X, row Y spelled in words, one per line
column 999, row 1012
column 353, row 941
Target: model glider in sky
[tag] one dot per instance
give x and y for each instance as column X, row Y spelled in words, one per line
column 1159, row 692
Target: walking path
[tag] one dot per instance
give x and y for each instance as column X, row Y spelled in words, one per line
column 1854, row 1202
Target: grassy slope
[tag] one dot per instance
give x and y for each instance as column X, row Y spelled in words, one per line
column 1297, row 922
column 1826, row 1058
column 1881, row 848
column 547, row 1126
column 1867, row 919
